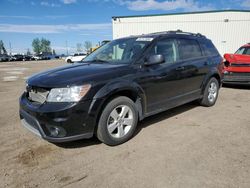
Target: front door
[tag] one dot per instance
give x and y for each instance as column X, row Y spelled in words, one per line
column 162, row 82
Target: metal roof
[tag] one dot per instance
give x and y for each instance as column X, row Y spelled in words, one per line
column 182, row 13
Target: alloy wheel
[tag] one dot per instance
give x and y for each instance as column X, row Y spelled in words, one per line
column 120, row 121
column 212, row 92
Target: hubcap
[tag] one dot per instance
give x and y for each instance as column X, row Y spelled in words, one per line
column 120, row 121
column 212, row 92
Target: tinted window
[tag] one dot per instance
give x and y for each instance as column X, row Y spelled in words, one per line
column 209, row 48
column 167, row 48
column 188, row 48
column 240, row 51
column 243, row 51
column 247, row 52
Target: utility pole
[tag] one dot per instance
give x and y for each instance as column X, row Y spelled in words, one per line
column 67, row 47
column 10, row 48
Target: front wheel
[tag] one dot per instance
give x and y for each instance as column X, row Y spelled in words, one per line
column 117, row 122
column 211, row 93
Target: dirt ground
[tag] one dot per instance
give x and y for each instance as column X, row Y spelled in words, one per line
column 189, row 146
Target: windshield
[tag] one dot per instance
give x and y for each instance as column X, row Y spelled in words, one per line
column 119, row 51
column 243, row 51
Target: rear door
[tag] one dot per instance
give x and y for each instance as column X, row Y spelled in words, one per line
column 193, row 66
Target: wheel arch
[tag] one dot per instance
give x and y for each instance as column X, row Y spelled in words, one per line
column 213, row 73
column 111, row 91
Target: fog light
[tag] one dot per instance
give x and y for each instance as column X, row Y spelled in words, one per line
column 54, row 131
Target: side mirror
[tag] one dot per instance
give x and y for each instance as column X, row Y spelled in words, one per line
column 155, row 59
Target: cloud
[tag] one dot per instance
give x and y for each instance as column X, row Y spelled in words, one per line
column 144, row 5
column 53, row 28
column 86, row 34
column 95, row 34
column 37, row 18
column 69, row 1
column 47, row 4
column 245, row 4
column 16, row 17
column 56, row 16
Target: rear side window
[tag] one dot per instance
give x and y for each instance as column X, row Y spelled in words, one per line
column 209, row 48
column 188, row 49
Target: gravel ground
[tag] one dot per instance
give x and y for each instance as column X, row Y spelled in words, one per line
column 189, row 146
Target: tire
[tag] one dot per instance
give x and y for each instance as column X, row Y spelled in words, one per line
column 211, row 93
column 121, row 116
column 69, row 61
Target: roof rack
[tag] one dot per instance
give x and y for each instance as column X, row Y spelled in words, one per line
column 179, row 32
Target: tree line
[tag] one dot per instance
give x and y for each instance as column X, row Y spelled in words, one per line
column 43, row 45
column 2, row 48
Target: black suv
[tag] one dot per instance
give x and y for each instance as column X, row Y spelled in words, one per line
column 119, row 84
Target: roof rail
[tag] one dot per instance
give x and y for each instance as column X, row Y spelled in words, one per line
column 180, row 32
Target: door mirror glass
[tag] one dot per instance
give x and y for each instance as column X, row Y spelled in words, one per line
column 155, row 59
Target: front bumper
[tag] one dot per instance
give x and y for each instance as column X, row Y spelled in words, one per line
column 58, row 122
column 236, row 78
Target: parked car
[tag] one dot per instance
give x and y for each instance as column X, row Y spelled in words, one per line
column 17, row 57
column 40, row 57
column 4, row 57
column 237, row 66
column 75, row 57
column 120, row 84
column 28, row 58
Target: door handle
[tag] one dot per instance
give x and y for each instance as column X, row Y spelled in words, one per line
column 180, row 68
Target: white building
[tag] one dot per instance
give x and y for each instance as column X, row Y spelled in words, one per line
column 228, row 29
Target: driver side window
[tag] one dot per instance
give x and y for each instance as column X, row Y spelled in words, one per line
column 117, row 53
column 167, row 48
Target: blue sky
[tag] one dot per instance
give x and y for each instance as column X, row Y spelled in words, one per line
column 76, row 21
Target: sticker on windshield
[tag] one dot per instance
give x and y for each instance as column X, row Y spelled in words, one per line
column 144, row 39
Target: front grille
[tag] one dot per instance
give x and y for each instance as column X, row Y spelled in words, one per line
column 36, row 94
column 237, row 76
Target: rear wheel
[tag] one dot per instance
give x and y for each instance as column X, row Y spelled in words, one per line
column 117, row 122
column 69, row 61
column 211, row 93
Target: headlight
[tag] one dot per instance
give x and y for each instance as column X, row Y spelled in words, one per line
column 70, row 94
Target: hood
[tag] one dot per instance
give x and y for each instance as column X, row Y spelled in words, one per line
column 237, row 58
column 76, row 74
